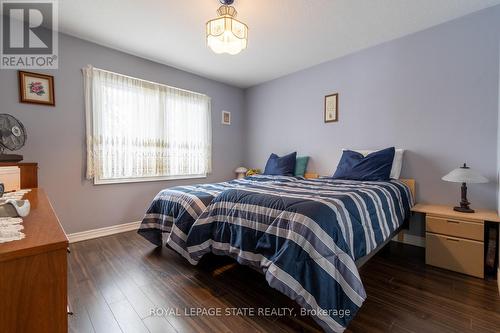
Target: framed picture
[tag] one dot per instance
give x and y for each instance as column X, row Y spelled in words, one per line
column 36, row 88
column 331, row 108
column 226, row 118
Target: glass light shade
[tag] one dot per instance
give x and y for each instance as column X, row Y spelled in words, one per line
column 464, row 175
column 241, row 170
column 225, row 34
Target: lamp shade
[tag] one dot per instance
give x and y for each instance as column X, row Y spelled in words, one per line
column 464, row 174
column 241, row 170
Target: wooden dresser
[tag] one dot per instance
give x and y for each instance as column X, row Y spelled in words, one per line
column 29, row 173
column 33, row 273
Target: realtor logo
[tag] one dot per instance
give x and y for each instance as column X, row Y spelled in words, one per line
column 29, row 34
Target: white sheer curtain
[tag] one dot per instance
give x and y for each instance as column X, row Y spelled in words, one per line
column 138, row 129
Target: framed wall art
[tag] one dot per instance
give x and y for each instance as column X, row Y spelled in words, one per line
column 331, row 108
column 36, row 88
column 226, row 118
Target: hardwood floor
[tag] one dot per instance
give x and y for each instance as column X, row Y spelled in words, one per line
column 115, row 281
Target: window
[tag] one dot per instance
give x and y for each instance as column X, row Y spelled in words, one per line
column 139, row 130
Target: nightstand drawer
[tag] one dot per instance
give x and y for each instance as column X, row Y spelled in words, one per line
column 459, row 255
column 454, row 227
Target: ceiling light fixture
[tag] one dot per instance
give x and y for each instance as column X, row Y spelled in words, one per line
column 225, row 34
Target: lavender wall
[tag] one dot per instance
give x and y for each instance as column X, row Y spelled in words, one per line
column 56, row 136
column 433, row 93
column 498, row 160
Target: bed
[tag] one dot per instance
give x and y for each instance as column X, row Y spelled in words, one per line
column 307, row 236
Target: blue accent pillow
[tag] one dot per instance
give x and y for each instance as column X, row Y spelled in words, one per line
column 281, row 166
column 372, row 167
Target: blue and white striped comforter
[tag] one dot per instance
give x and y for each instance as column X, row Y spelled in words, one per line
column 304, row 235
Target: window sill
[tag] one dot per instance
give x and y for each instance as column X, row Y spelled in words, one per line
column 145, row 179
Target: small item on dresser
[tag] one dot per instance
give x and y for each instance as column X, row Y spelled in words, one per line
column 17, row 195
column 14, row 208
column 464, row 175
column 240, row 172
column 2, row 189
column 10, row 229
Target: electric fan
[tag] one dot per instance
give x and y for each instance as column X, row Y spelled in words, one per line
column 12, row 137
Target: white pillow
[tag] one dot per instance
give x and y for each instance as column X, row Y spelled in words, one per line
column 397, row 163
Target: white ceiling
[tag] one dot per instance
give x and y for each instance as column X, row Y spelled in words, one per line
column 284, row 35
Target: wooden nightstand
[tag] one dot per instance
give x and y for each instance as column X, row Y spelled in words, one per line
column 454, row 240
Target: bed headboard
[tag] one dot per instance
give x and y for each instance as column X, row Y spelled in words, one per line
column 411, row 185
column 311, row 175
column 409, row 182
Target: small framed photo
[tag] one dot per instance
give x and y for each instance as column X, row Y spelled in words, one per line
column 226, row 118
column 36, row 88
column 331, row 108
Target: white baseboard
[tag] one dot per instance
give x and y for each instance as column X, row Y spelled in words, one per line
column 411, row 239
column 101, row 232
column 116, row 229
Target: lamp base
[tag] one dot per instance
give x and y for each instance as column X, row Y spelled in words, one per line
column 463, row 209
column 464, row 203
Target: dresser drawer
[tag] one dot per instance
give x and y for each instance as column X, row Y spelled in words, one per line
column 456, row 254
column 454, row 227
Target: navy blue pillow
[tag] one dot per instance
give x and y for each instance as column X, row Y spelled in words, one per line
column 281, row 166
column 374, row 167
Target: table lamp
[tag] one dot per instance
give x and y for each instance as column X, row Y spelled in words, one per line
column 464, row 175
column 240, row 172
